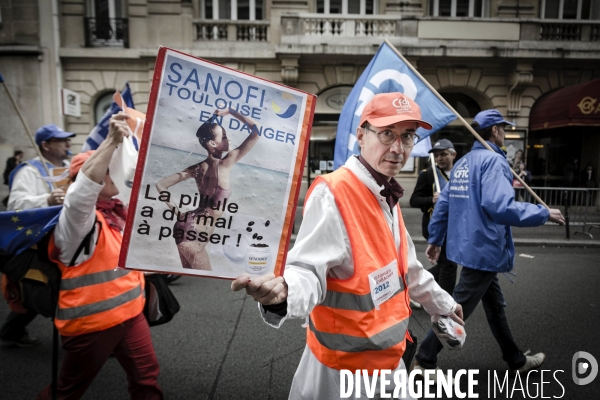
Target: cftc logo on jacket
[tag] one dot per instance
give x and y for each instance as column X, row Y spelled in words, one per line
column 461, row 171
column 459, row 183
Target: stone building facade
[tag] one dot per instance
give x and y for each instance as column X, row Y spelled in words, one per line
column 478, row 54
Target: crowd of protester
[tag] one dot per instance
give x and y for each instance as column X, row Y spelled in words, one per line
column 352, row 232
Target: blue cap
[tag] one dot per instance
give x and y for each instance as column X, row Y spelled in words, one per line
column 442, row 144
column 489, row 118
column 50, row 131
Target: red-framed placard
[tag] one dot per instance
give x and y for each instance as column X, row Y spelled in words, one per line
column 219, row 171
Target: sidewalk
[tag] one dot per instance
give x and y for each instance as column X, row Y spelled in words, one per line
column 546, row 235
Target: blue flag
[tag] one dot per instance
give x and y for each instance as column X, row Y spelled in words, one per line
column 386, row 73
column 100, row 131
column 23, row 229
column 422, row 148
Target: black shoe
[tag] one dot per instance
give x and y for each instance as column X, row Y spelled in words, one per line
column 23, row 341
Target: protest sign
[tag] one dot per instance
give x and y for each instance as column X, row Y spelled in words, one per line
column 218, row 173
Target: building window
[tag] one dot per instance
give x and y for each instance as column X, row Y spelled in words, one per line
column 459, row 8
column 248, row 10
column 105, row 24
column 569, row 9
column 102, row 104
column 105, row 9
column 360, row 7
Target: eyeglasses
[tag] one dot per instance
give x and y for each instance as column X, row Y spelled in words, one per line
column 388, row 137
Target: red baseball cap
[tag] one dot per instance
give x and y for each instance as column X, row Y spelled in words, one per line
column 390, row 108
column 77, row 163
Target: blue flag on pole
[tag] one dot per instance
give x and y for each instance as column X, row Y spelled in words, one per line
column 100, row 131
column 422, row 148
column 23, row 229
column 386, row 73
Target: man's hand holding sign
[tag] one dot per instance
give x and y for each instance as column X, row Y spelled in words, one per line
column 96, row 168
column 266, row 290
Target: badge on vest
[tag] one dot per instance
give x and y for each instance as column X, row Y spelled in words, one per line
column 384, row 283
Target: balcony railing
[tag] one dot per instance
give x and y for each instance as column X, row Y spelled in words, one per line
column 374, row 28
column 309, row 28
column 324, row 26
column 106, row 32
column 241, row 30
column 560, row 32
column 334, row 25
column 211, row 31
column 595, row 33
column 568, row 31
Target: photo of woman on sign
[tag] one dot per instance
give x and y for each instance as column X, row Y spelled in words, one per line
column 212, row 176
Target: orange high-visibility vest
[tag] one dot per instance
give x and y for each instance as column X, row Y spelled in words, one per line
column 346, row 331
column 95, row 295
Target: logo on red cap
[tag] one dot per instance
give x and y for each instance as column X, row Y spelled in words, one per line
column 390, row 108
column 402, row 105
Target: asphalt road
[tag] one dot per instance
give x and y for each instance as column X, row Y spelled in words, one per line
column 217, row 347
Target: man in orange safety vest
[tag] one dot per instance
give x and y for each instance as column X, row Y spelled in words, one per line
column 353, row 269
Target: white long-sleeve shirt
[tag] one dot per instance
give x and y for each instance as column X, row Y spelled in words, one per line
column 323, row 249
column 77, row 218
column 28, row 190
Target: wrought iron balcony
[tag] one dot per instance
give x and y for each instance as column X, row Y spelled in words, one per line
column 106, row 32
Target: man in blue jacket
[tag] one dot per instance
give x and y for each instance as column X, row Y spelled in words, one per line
column 475, row 212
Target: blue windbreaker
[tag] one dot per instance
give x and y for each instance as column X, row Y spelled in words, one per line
column 477, row 208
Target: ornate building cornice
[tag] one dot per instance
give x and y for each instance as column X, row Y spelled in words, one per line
column 519, row 80
column 289, row 69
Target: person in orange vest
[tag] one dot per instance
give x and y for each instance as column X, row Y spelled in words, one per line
column 100, row 307
column 353, row 268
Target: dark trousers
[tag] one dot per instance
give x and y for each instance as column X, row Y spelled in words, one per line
column 444, row 272
column 15, row 323
column 475, row 286
column 85, row 355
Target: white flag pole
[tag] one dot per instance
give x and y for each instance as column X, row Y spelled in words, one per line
column 435, row 175
column 461, row 119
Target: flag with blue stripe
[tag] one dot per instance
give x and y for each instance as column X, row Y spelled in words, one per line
column 23, row 229
column 386, row 73
column 100, row 131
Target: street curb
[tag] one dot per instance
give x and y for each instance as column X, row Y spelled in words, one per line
column 542, row 242
column 593, row 244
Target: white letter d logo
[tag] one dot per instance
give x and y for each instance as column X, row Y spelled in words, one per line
column 580, row 368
